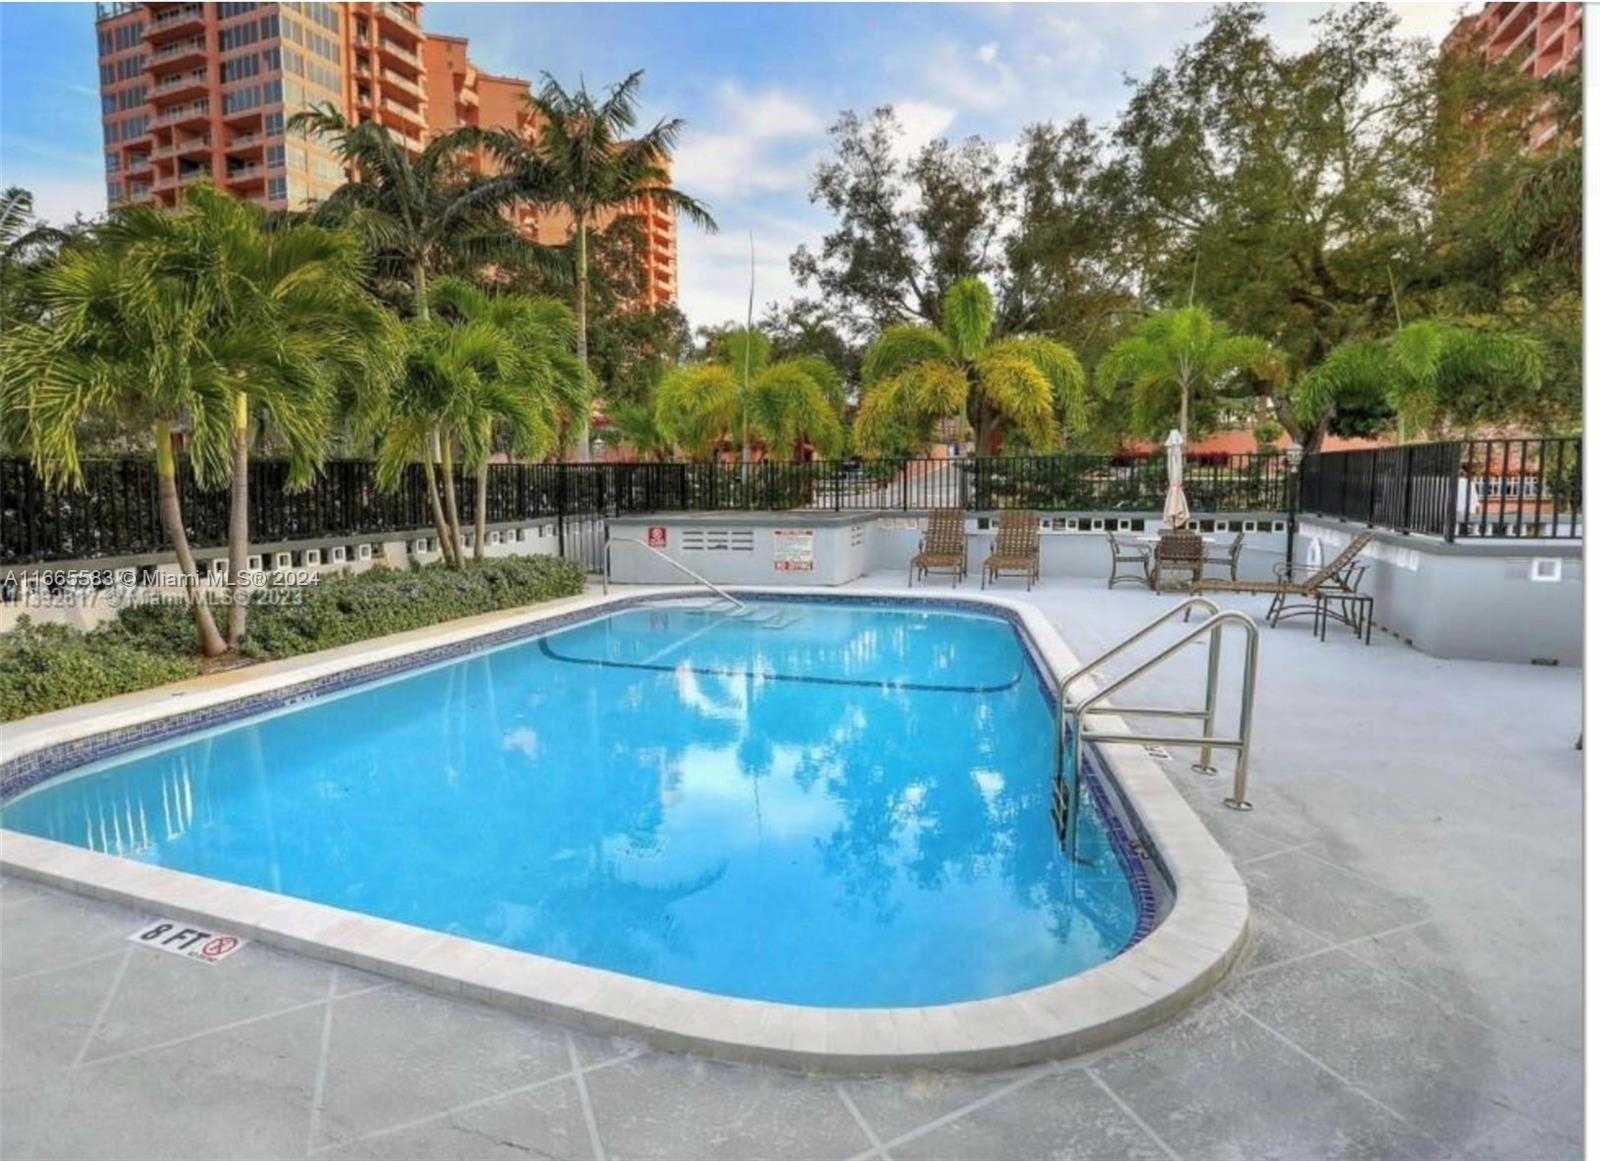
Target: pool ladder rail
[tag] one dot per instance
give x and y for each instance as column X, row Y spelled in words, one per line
column 725, row 601
column 1067, row 793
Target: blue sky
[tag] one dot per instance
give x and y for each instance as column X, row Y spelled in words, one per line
column 758, row 83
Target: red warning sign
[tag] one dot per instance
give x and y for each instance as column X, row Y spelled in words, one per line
column 656, row 537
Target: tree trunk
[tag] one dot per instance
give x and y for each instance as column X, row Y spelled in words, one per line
column 439, row 527
column 452, row 516
column 239, row 521
column 580, row 308
column 211, row 642
column 480, row 509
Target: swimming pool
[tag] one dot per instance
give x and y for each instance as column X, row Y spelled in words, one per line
column 818, row 803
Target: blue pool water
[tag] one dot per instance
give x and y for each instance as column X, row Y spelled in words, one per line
column 849, row 810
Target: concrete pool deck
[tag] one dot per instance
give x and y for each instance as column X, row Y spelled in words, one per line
column 1412, row 987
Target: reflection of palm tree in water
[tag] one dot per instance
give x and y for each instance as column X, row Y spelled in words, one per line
column 581, row 867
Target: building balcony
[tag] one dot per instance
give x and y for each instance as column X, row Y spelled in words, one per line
column 244, row 116
column 172, row 22
column 467, row 96
column 405, row 113
column 393, row 50
column 401, row 82
column 194, row 113
column 137, row 163
column 180, row 85
column 252, row 173
column 400, row 14
column 178, row 54
column 247, row 143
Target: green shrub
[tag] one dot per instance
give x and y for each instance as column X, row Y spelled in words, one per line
column 46, row 667
column 343, row 609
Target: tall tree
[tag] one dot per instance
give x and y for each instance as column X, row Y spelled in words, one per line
column 904, row 231
column 1016, row 388
column 579, row 158
column 420, row 215
column 1290, row 190
column 190, row 320
column 1184, row 363
column 527, row 399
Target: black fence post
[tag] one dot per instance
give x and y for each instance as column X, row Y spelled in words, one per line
column 561, row 508
column 1452, row 490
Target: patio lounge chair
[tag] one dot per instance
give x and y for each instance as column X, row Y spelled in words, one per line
column 1300, row 590
column 1124, row 553
column 1016, row 548
column 943, row 547
column 1182, row 552
column 1227, row 558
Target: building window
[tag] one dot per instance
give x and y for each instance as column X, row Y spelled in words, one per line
column 239, row 67
column 277, row 188
column 273, row 123
column 113, row 163
column 274, row 155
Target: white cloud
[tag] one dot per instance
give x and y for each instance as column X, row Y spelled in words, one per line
column 754, row 141
column 973, row 80
column 714, row 270
column 920, row 123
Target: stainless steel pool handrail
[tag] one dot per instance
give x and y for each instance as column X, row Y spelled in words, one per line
column 605, row 576
column 1183, row 607
column 1213, row 627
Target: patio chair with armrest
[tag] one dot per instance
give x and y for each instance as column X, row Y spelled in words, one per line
column 1123, row 552
column 1016, row 548
column 943, row 547
column 1227, row 558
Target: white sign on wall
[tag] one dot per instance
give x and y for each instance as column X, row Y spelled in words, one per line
column 793, row 549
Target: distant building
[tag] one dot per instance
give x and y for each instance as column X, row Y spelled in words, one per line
column 1540, row 38
column 193, row 92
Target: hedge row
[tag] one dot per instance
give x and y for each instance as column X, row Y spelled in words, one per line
column 47, row 667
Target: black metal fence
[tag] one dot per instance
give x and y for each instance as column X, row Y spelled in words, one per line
column 115, row 514
column 1480, row 488
column 1483, row 488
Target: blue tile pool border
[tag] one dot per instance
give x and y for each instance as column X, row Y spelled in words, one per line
column 1138, row 856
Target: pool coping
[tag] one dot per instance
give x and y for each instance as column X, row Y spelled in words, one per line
column 1187, row 952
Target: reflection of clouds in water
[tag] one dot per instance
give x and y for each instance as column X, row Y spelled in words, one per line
column 990, row 784
column 524, row 740
column 733, row 706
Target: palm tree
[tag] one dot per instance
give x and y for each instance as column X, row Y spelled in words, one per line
column 1180, row 359
column 183, row 318
column 578, row 158
column 24, row 245
column 912, row 376
column 306, row 340
column 125, row 331
column 1424, row 370
column 544, row 379
column 635, row 424
column 738, row 393
column 420, row 215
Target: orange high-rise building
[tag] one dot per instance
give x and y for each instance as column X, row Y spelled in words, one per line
column 461, row 94
column 194, row 92
column 1540, row 38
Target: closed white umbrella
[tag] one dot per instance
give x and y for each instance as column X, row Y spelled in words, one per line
column 1176, row 511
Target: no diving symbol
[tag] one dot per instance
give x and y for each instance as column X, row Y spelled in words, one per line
column 218, row 947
